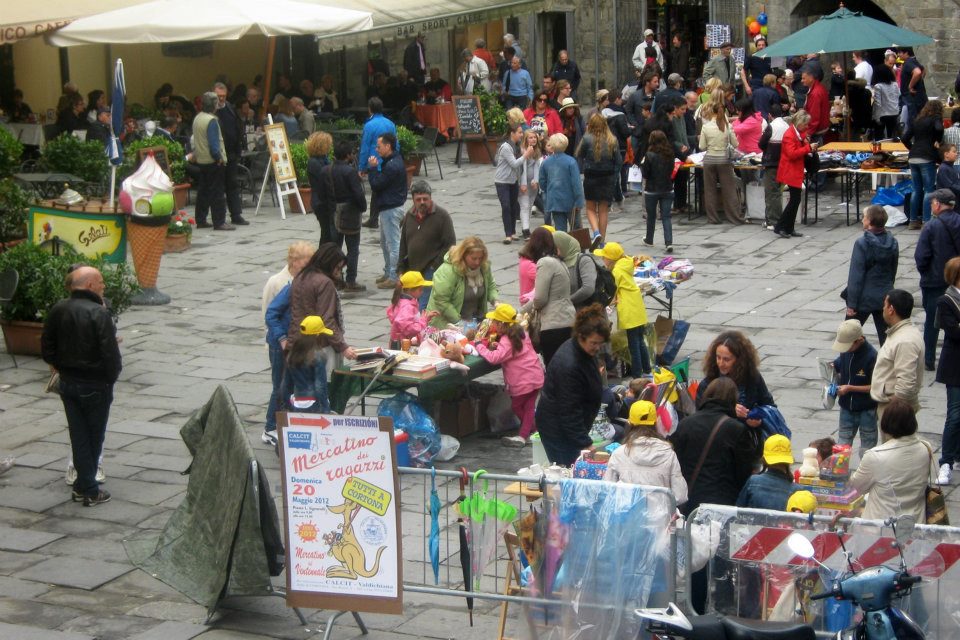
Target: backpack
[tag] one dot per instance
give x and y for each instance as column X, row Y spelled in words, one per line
column 606, row 288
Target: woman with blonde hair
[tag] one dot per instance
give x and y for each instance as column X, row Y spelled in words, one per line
column 318, row 148
column 716, row 137
column 599, row 153
column 463, row 286
column 530, row 179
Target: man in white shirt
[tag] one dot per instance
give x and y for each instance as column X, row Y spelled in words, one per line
column 639, row 59
column 863, row 69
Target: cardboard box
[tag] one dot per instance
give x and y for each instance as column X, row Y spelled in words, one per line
column 460, row 417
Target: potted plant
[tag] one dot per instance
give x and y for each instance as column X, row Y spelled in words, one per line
column 83, row 158
column 10, row 152
column 41, row 285
column 411, row 148
column 495, row 125
column 179, row 232
column 175, row 156
column 14, row 203
column 300, row 157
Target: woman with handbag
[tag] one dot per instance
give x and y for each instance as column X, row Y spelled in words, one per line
column 341, row 187
column 892, row 473
column 716, row 454
column 717, row 139
column 551, row 294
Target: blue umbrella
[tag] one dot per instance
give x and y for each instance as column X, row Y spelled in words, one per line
column 434, row 541
column 114, row 148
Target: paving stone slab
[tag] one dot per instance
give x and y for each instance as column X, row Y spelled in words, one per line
column 189, row 613
column 14, row 539
column 37, row 500
column 20, row 589
column 171, row 630
column 35, row 614
column 23, row 632
column 109, row 627
column 74, row 572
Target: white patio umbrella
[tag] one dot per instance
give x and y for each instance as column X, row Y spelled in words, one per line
column 193, row 20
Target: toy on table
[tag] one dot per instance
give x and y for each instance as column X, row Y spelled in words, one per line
column 837, row 466
column 809, row 468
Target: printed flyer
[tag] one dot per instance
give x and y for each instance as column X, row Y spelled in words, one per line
column 342, row 519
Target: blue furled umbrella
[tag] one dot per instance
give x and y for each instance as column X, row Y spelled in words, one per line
column 434, row 541
column 114, row 148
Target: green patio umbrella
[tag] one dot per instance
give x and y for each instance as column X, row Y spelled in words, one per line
column 844, row 30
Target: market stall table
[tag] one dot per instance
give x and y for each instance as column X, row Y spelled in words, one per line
column 853, row 182
column 863, row 147
column 345, row 384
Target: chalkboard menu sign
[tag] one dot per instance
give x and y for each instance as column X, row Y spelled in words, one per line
column 470, row 116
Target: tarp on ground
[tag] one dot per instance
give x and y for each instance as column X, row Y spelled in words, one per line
column 224, row 539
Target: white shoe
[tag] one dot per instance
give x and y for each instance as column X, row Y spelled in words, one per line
column 101, row 477
column 269, row 437
column 513, row 442
column 71, row 476
column 945, row 475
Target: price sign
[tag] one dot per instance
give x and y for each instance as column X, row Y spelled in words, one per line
column 470, row 116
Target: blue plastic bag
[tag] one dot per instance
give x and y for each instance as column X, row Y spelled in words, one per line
column 772, row 421
column 888, row 195
column 407, row 414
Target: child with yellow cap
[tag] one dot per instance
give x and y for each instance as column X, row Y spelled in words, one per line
column 802, row 502
column 631, row 312
column 772, row 488
column 307, row 368
column 521, row 366
column 406, row 321
column 646, row 457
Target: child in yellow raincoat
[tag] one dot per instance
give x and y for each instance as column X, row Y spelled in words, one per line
column 631, row 312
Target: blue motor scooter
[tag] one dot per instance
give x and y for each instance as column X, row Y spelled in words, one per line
column 872, row 589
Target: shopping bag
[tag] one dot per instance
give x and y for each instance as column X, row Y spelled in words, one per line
column 635, row 178
column 756, row 203
column 670, row 336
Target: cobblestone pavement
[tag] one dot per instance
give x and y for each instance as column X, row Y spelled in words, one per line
column 63, row 571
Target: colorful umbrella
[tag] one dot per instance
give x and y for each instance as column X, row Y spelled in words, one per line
column 489, row 519
column 434, row 541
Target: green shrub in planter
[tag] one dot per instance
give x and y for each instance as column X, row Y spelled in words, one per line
column 175, row 154
column 42, row 276
column 14, row 203
column 410, row 143
column 494, row 115
column 300, row 157
column 10, row 152
column 85, row 159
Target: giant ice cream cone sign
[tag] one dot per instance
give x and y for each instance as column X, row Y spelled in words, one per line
column 147, row 196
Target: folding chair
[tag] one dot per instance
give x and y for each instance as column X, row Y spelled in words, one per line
column 430, row 138
column 9, row 280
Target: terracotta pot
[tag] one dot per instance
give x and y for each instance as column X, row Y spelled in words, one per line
column 477, row 153
column 180, row 194
column 304, row 195
column 411, row 171
column 175, row 243
column 23, row 338
column 413, row 161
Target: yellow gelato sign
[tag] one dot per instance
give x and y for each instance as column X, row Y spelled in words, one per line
column 90, row 234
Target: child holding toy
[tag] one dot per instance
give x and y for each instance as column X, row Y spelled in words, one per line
column 406, row 321
column 307, row 368
column 631, row 312
column 522, row 369
column 854, row 365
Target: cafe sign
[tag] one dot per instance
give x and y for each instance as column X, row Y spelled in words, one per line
column 90, row 234
column 10, row 33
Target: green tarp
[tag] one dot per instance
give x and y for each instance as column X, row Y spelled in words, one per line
column 224, row 539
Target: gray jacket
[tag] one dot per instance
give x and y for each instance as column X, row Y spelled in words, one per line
column 551, row 294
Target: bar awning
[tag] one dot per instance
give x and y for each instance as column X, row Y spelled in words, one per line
column 21, row 20
column 394, row 19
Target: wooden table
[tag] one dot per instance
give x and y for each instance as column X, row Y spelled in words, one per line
column 442, row 116
column 863, row 147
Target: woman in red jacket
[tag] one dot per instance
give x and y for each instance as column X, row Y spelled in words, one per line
column 548, row 120
column 795, row 146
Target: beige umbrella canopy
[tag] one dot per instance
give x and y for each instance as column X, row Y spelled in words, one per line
column 20, row 20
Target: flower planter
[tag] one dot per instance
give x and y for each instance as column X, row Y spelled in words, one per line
column 181, row 193
column 176, row 242
column 304, row 195
column 476, row 152
column 413, row 162
column 22, row 338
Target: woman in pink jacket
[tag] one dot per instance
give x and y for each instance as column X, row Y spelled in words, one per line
column 406, row 321
column 522, row 369
column 748, row 126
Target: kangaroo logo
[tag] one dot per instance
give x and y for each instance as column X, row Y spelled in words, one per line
column 346, row 549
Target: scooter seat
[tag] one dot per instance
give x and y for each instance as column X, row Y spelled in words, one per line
column 744, row 629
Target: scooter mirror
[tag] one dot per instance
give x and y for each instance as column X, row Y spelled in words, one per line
column 800, row 546
column 905, row 525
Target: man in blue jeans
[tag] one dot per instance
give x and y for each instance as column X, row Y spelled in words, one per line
column 939, row 241
column 80, row 341
column 388, row 181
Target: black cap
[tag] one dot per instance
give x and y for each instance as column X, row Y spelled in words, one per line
column 944, row 196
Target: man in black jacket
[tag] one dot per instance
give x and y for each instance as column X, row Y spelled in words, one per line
column 80, row 341
column 415, row 60
column 388, row 181
column 231, row 128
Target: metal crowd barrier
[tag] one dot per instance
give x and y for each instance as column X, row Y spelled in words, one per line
column 753, row 574
column 418, row 575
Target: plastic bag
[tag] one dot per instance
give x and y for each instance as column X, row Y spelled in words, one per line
column 888, row 195
column 449, row 446
column 407, row 414
column 500, row 414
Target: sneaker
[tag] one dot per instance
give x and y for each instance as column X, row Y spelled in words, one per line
column 596, row 241
column 76, row 496
column 534, row 211
column 387, row 284
column 101, row 497
column 71, row 475
column 514, row 442
column 380, row 279
column 649, row 243
column 101, row 477
column 508, row 240
column 240, row 221
column 354, row 287
column 945, row 475
column 915, row 225
column 669, row 248
column 226, row 226
column 269, row 437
